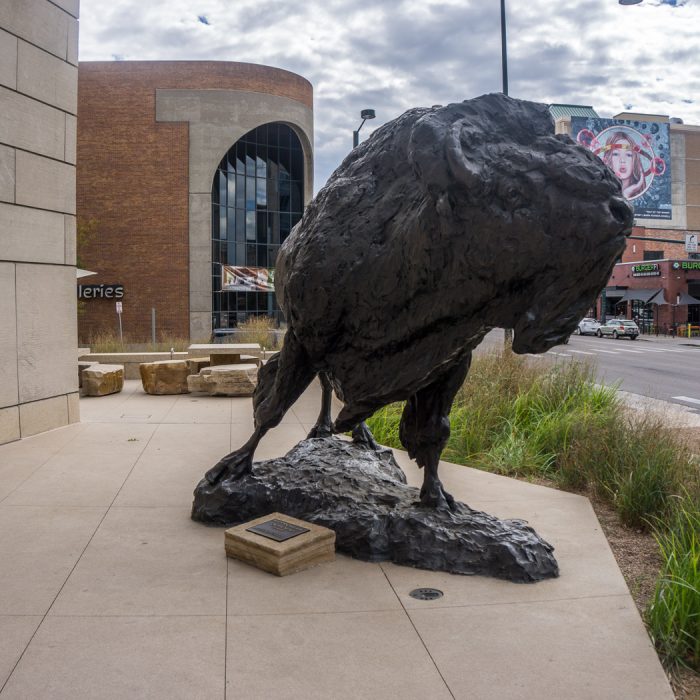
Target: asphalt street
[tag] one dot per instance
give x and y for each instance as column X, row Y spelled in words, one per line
column 662, row 368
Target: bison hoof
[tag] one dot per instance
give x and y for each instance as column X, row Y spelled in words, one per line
column 232, row 466
column 320, row 430
column 433, row 495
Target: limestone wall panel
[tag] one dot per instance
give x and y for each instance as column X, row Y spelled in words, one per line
column 9, row 424
column 47, row 78
column 45, row 183
column 70, row 239
column 72, row 50
column 70, row 6
column 31, row 125
column 40, row 416
column 32, row 235
column 9, row 387
column 46, row 331
column 8, row 60
column 7, row 174
column 71, row 139
column 39, row 22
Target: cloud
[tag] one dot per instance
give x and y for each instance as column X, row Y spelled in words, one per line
column 403, row 53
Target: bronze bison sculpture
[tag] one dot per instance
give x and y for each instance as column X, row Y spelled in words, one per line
column 446, row 223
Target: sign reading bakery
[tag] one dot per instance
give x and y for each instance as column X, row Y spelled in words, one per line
column 100, row 291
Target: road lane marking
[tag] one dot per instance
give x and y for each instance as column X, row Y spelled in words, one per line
column 686, row 398
column 608, row 352
column 581, row 352
column 636, row 352
column 559, row 354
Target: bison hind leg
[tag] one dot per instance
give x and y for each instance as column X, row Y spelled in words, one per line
column 361, row 434
column 425, row 429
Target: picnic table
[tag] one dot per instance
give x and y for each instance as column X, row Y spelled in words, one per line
column 223, row 353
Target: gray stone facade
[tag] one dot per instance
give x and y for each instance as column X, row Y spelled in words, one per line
column 217, row 119
column 38, row 107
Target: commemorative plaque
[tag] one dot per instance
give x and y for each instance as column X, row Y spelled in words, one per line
column 280, row 544
column 278, row 530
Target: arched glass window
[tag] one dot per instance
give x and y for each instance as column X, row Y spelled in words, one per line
column 257, row 197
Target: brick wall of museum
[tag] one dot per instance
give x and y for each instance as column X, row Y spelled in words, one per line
column 132, row 182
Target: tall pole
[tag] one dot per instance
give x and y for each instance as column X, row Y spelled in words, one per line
column 507, row 332
column 504, row 53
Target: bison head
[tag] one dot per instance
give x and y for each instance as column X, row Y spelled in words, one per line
column 549, row 216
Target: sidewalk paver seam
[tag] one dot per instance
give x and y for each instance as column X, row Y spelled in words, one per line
column 75, row 564
column 42, row 464
column 422, row 641
column 539, row 601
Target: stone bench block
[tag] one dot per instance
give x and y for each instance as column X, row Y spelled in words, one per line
column 165, row 377
column 100, row 380
column 81, row 367
column 196, row 364
column 225, row 380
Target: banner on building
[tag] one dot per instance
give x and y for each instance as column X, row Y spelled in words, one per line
column 247, row 279
column 639, row 153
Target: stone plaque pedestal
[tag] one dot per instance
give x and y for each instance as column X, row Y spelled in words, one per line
column 280, row 544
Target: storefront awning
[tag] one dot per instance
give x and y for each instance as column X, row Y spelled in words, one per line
column 614, row 293
column 685, row 298
column 647, row 296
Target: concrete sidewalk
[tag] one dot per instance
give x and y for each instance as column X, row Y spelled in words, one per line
column 109, row 590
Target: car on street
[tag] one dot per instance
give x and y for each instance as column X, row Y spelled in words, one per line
column 587, row 326
column 619, row 328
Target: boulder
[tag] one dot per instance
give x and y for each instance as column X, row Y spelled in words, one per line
column 196, row 364
column 225, row 380
column 165, row 377
column 100, row 380
column 81, row 366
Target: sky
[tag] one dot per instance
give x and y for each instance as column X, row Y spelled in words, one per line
column 391, row 55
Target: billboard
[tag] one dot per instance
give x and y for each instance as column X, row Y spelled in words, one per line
column 247, row 279
column 639, row 153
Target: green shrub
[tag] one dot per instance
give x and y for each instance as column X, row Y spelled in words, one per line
column 257, row 329
column 673, row 615
column 109, row 341
column 520, row 418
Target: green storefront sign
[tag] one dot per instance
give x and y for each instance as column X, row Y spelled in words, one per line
column 646, row 270
column 686, row 265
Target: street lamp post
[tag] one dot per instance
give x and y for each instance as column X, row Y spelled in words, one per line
column 365, row 114
column 504, row 54
column 507, row 332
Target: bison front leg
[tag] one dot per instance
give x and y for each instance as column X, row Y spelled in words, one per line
column 425, row 429
column 281, row 381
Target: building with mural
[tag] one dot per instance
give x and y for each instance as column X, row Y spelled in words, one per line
column 657, row 159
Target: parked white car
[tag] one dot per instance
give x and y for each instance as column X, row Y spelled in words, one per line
column 587, row 326
column 619, row 328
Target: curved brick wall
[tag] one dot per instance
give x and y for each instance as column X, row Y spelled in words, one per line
column 133, row 177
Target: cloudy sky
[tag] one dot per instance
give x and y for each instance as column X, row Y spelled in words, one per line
column 391, row 55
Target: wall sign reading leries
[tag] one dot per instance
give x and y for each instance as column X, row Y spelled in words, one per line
column 100, row 291
column 646, row 270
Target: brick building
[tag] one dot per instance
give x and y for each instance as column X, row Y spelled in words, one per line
column 656, row 281
column 156, row 142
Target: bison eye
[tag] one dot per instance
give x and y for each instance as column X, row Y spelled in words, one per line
column 511, row 197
